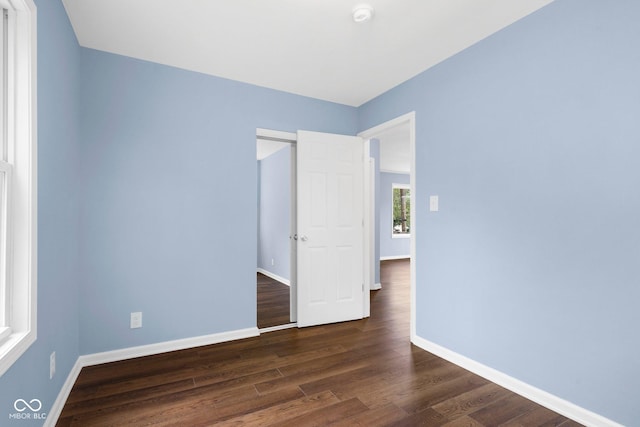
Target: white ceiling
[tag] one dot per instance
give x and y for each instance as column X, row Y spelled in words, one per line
column 306, row 47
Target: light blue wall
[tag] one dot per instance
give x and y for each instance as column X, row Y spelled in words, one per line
column 275, row 214
column 58, row 231
column 389, row 246
column 161, row 147
column 530, row 138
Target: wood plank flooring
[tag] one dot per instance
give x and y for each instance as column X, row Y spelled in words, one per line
column 360, row 373
column 273, row 302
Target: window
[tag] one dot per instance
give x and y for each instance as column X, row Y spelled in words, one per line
column 17, row 179
column 401, row 210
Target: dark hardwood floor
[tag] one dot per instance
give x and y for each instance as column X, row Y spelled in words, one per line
column 273, row 302
column 360, row 373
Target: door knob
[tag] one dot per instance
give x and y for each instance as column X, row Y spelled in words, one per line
column 304, row 238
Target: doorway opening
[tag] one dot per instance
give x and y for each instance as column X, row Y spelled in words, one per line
column 276, row 219
column 330, row 170
column 392, row 145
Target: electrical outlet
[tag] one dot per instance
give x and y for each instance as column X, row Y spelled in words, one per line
column 433, row 204
column 52, row 365
column 136, row 320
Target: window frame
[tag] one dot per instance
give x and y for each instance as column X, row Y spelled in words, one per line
column 394, row 235
column 19, row 292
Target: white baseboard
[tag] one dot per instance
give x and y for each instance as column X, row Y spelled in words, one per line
column 164, row 347
column 548, row 400
column 390, row 258
column 274, row 276
column 130, row 353
column 376, row 286
column 56, row 408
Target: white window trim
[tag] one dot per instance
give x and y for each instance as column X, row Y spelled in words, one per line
column 22, row 130
column 398, row 235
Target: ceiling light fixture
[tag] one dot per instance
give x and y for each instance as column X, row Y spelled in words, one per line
column 362, row 13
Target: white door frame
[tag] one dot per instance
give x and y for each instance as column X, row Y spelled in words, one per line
column 371, row 133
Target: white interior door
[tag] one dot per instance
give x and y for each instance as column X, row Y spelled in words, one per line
column 330, row 175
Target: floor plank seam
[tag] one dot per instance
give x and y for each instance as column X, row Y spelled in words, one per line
column 302, row 391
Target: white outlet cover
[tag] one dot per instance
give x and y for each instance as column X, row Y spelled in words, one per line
column 136, row 320
column 433, row 204
column 52, row 365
